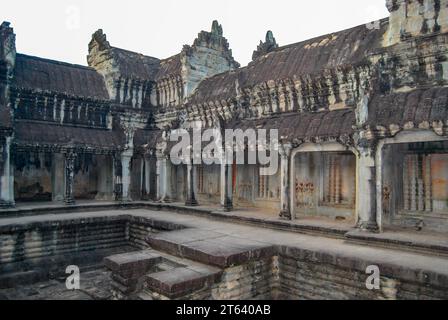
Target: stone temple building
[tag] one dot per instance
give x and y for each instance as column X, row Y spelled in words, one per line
column 362, row 116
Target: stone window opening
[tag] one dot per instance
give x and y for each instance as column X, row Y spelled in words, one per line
column 324, row 184
column 414, row 184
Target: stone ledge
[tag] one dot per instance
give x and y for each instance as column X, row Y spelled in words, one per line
column 421, row 243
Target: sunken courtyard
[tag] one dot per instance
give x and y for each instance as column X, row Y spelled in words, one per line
column 87, row 178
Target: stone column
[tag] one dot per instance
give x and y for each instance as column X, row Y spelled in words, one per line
column 285, row 183
column 366, row 190
column 126, row 174
column 58, row 177
column 147, row 177
column 6, row 175
column 160, row 172
column 226, row 185
column 70, row 158
column 168, row 188
column 191, row 196
column 117, row 174
column 164, row 192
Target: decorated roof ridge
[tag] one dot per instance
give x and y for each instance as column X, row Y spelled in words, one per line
column 265, row 47
column 335, row 50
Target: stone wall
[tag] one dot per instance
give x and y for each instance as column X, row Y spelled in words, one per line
column 313, row 275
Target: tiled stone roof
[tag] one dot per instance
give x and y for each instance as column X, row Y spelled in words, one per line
column 59, row 77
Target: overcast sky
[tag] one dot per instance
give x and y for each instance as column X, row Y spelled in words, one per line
column 62, row 29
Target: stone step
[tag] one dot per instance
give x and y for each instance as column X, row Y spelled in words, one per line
column 132, row 265
column 180, row 282
column 210, row 248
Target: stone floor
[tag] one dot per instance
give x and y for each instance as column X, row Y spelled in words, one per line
column 94, row 285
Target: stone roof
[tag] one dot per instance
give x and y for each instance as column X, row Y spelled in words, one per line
column 304, row 126
column 40, row 134
column 135, row 65
column 169, row 67
column 417, row 106
column 310, row 57
column 59, row 77
column 147, row 137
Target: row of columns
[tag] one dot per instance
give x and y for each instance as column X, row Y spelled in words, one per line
column 366, row 182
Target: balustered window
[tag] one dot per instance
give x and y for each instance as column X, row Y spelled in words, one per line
column 425, row 183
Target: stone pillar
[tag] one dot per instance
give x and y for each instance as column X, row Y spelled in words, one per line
column 70, row 158
column 126, row 158
column 191, row 195
column 117, row 174
column 6, row 175
column 168, row 188
column 58, row 177
column 105, row 184
column 366, row 190
column 160, row 172
column 147, row 177
column 285, row 183
column 226, row 185
column 164, row 192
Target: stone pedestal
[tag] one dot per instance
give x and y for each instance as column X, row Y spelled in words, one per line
column 285, row 183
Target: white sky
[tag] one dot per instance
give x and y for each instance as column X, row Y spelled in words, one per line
column 61, row 29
